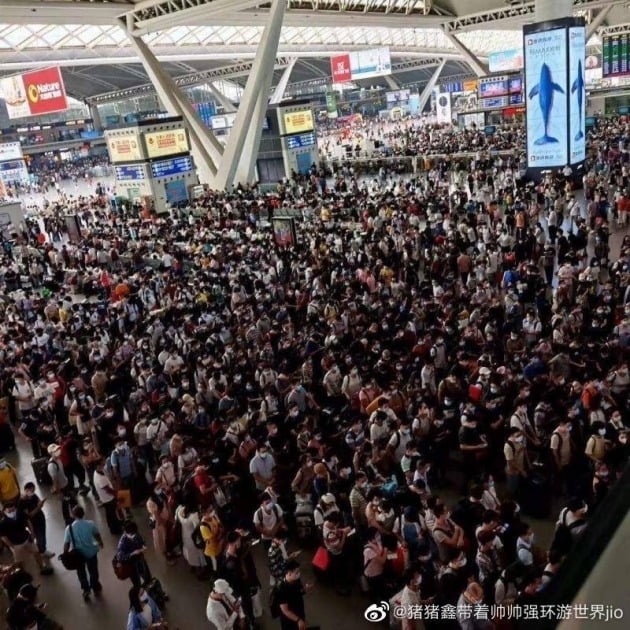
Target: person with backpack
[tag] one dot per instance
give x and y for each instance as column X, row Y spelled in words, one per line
column 130, row 553
column 562, row 451
column 188, row 518
column 516, row 460
column 571, row 524
column 374, row 560
column 268, row 519
column 223, row 609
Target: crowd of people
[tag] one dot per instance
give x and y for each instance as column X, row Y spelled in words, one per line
column 462, row 329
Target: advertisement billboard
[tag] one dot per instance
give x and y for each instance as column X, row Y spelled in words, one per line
column 14, row 171
column 506, row 60
column 10, row 151
column 331, row 104
column 577, row 99
column 546, row 97
column 298, row 122
column 443, row 107
column 362, row 64
column 34, row 93
column 493, row 86
column 124, row 148
column 166, row 142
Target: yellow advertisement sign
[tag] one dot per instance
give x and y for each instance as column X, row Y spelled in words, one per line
column 297, row 122
column 470, row 86
column 169, row 142
column 124, row 148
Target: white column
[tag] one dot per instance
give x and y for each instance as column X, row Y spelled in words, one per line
column 478, row 68
column 251, row 112
column 278, row 93
column 205, row 148
column 596, row 22
column 389, row 79
column 553, row 9
column 221, row 98
column 95, row 115
column 428, row 88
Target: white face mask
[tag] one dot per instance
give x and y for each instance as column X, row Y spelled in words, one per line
column 602, row 432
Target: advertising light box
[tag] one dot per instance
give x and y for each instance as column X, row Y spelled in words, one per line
column 34, row 93
column 577, row 99
column 362, row 64
column 546, row 96
column 124, row 148
column 301, row 141
column 493, row 86
column 506, row 60
column 10, row 151
column 167, row 142
column 298, row 122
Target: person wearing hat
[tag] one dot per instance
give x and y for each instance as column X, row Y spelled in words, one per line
column 56, row 471
column 327, row 505
column 223, row 609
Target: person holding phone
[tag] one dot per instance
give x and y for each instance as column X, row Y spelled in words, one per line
column 290, row 597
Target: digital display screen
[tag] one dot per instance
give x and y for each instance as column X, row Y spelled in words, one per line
column 300, row 142
column 616, row 55
column 515, row 85
column 493, row 103
column 13, row 165
column 297, row 122
column 516, row 99
column 176, row 191
column 577, row 99
column 174, row 166
column 129, row 172
column 493, row 86
column 167, row 142
column 590, row 121
column 546, row 89
column 506, row 60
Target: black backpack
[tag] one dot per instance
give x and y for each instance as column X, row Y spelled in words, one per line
column 197, row 538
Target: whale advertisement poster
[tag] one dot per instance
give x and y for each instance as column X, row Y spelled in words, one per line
column 577, row 99
column 546, row 88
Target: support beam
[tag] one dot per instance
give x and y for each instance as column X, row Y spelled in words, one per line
column 278, row 93
column 206, row 149
column 389, row 79
column 95, row 115
column 596, row 22
column 478, row 68
column 221, row 98
column 238, row 156
column 428, row 88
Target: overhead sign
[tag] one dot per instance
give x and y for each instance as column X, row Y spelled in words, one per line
column 34, row 93
column 10, row 151
column 297, row 122
column 506, row 60
column 577, row 94
column 174, row 166
column 124, row 148
column 14, row 171
column 226, row 121
column 546, row 88
column 301, row 141
column 167, row 142
column 397, row 96
column 362, row 64
column 130, row 172
column 495, row 102
column 515, row 85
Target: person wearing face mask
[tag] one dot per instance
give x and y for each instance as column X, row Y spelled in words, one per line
column 516, row 460
column 397, row 443
column 358, row 501
column 123, row 465
column 31, row 506
column 160, row 519
column 262, row 467
column 471, row 598
column 268, row 518
column 107, row 496
column 597, row 446
column 17, row 535
column 562, row 449
column 408, row 599
column 9, row 485
column 144, row 613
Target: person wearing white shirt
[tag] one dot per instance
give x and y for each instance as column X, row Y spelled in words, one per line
column 223, row 609
column 409, row 600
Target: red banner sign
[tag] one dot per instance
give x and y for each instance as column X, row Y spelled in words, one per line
column 34, row 93
column 340, row 69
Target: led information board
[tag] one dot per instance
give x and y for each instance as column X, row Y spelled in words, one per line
column 123, row 148
column 300, row 142
column 616, row 55
column 174, row 166
column 130, row 172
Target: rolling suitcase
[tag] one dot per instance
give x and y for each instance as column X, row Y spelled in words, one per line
column 40, row 470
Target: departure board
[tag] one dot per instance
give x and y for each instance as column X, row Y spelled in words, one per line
column 616, row 55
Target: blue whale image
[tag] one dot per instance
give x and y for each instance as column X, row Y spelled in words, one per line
column 545, row 90
column 578, row 86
